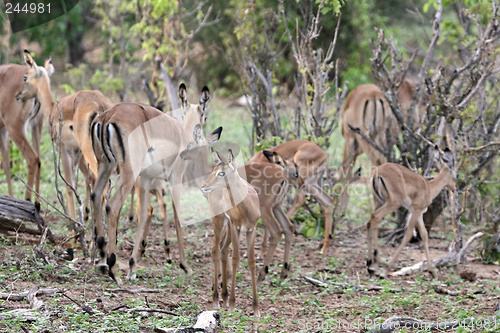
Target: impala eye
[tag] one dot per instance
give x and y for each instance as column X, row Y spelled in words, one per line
column 221, row 174
column 189, row 147
column 25, row 78
column 296, row 175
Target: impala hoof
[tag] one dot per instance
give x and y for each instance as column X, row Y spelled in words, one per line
column 132, row 276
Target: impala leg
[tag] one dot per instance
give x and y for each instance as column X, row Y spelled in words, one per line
column 5, row 151
column 275, row 232
column 300, row 199
column 66, row 160
column 218, row 223
column 287, row 229
column 36, row 134
column 113, row 209
column 327, row 202
column 89, row 183
column 104, row 171
column 131, row 209
column 375, row 156
column 351, row 152
column 29, row 154
column 423, row 233
column 372, row 233
column 263, row 247
column 180, row 241
column 226, row 241
column 142, row 216
column 235, row 239
column 251, row 264
column 412, row 220
column 163, row 212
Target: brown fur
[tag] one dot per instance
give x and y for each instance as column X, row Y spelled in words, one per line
column 234, row 192
column 311, row 162
column 393, row 186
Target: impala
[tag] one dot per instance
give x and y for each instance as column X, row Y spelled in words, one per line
column 144, row 144
column 310, row 161
column 234, row 206
column 393, row 186
column 77, row 110
column 367, row 109
column 271, row 183
column 18, row 112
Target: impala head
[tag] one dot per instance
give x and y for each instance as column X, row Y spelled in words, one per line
column 224, row 169
column 194, row 147
column 201, row 108
column 291, row 168
column 448, row 166
column 37, row 79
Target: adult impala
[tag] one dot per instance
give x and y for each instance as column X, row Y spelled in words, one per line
column 310, row 161
column 393, row 186
column 78, row 110
column 16, row 113
column 145, row 144
column 367, row 109
column 234, row 206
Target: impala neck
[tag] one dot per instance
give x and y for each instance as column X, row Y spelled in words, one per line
column 236, row 187
column 437, row 184
column 47, row 102
column 191, row 119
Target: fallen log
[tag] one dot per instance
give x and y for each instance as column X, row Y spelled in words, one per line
column 30, row 314
column 16, row 215
column 453, row 258
column 22, row 295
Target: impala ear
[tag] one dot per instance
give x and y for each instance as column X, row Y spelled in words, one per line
column 448, row 158
column 215, row 136
column 197, row 134
column 274, row 157
column 28, row 59
column 183, row 95
column 49, row 67
column 216, row 156
column 205, row 98
column 358, row 173
column 230, row 159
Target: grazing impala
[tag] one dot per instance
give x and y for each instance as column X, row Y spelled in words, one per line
column 145, row 144
column 17, row 112
column 234, row 206
column 367, row 109
column 393, row 186
column 310, row 161
column 271, row 183
column 78, row 110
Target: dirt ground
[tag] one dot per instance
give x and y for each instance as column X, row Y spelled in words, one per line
column 348, row 298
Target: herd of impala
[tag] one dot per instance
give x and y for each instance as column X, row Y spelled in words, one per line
column 144, row 146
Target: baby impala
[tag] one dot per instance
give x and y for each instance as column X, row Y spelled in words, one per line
column 234, row 207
